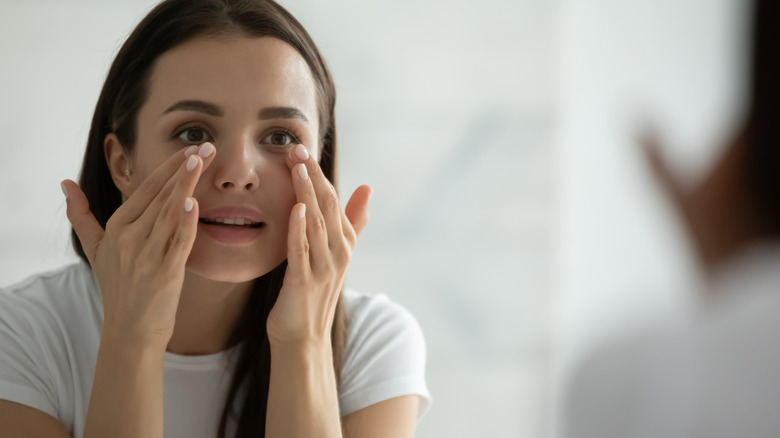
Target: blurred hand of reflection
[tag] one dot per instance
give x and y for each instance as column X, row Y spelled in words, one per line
column 717, row 213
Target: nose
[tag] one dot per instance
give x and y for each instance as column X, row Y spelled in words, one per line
column 236, row 165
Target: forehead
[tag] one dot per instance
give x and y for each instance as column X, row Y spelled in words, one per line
column 236, row 72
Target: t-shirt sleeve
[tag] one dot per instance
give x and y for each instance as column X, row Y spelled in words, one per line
column 25, row 377
column 385, row 355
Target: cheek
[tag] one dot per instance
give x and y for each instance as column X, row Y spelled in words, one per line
column 278, row 187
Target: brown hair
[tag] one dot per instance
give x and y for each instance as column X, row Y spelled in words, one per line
column 763, row 156
column 125, row 90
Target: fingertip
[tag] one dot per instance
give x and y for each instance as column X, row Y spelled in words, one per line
column 301, row 152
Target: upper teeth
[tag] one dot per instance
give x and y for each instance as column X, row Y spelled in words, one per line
column 239, row 221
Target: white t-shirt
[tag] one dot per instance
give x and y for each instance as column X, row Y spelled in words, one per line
column 712, row 374
column 50, row 327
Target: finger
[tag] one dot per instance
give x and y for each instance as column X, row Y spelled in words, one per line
column 178, row 248
column 81, row 218
column 146, row 221
column 136, row 204
column 316, row 227
column 297, row 244
column 173, row 212
column 327, row 199
column 357, row 208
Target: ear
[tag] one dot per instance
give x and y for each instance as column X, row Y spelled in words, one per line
column 118, row 161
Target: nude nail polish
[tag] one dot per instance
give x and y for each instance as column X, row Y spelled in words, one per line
column 206, row 149
column 190, row 150
column 192, row 163
column 302, row 172
column 301, row 152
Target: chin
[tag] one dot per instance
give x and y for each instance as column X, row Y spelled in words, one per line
column 234, row 267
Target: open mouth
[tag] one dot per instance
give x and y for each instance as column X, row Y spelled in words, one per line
column 232, row 223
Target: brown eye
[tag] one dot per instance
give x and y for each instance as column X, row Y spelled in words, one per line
column 194, row 135
column 278, row 138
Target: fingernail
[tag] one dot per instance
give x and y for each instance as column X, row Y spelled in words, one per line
column 188, row 204
column 206, row 149
column 190, row 150
column 64, row 190
column 192, row 163
column 301, row 211
column 301, row 152
column 302, row 172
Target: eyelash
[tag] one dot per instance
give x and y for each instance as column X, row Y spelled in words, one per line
column 296, row 138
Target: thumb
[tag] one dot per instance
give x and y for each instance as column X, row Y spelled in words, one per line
column 357, row 208
column 84, row 223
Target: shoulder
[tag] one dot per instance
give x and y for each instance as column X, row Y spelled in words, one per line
column 374, row 314
column 385, row 353
column 642, row 379
column 62, row 283
column 44, row 325
column 50, row 294
column 61, row 297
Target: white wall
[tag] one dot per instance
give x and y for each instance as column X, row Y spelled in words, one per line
column 445, row 107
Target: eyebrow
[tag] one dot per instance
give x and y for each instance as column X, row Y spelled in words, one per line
column 281, row 112
column 272, row 112
column 196, row 105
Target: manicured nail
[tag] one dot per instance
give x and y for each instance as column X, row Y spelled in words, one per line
column 302, row 172
column 192, row 163
column 206, row 149
column 301, row 152
column 301, row 211
column 188, row 204
column 64, row 190
column 190, row 150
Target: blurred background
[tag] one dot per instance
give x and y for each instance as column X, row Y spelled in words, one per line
column 512, row 212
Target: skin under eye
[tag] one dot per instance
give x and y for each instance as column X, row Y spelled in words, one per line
column 194, row 134
column 280, row 138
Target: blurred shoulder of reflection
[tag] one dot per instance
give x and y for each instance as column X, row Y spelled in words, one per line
column 712, row 373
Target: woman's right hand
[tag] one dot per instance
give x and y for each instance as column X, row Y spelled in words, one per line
column 139, row 258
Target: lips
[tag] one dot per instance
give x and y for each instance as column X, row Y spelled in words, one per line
column 232, row 225
column 233, row 216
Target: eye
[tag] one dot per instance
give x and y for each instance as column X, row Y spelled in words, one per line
column 280, row 138
column 194, row 135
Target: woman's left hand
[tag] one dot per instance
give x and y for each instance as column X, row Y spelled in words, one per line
column 320, row 241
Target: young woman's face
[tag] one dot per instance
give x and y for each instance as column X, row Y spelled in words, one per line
column 253, row 98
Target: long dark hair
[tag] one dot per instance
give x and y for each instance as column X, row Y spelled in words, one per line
column 763, row 156
column 170, row 23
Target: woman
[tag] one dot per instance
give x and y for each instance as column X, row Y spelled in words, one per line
column 215, row 249
column 716, row 372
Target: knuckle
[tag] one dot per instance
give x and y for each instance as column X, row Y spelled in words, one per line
column 342, row 253
column 318, row 225
column 180, row 241
column 300, row 251
column 166, row 211
column 123, row 240
column 331, row 202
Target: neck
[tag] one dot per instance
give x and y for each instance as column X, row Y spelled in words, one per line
column 207, row 314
